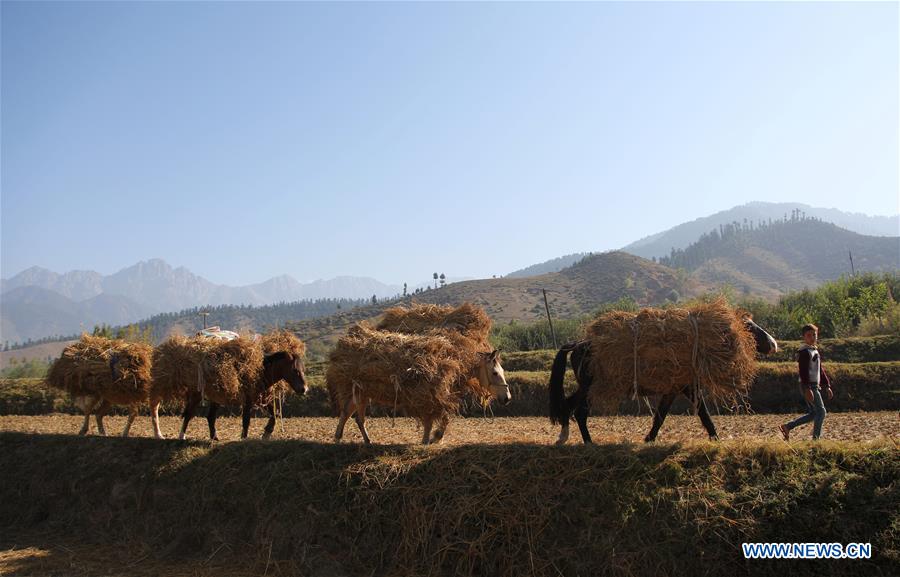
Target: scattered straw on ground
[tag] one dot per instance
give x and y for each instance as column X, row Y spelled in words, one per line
column 677, row 428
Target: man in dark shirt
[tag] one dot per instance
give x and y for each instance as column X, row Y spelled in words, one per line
column 814, row 382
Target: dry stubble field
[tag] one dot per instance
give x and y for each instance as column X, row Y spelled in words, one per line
column 838, row 426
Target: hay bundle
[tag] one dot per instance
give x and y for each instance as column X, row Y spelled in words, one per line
column 225, row 372
column 423, row 375
column 117, row 370
column 705, row 346
column 467, row 319
column 283, row 341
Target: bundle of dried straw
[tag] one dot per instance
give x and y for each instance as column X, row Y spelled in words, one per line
column 659, row 351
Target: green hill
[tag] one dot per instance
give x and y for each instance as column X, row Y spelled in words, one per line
column 770, row 259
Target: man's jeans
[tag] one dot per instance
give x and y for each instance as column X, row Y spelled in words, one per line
column 816, row 413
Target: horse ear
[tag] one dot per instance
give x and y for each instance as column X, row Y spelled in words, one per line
column 495, row 354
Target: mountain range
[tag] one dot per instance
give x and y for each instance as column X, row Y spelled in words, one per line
column 679, row 237
column 38, row 303
column 765, row 262
column 756, row 258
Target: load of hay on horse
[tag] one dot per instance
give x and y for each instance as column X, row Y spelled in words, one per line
column 660, row 351
column 99, row 373
column 225, row 372
column 421, row 361
column 706, row 350
column 467, row 319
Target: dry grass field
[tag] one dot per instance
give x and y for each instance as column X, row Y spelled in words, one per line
column 495, row 499
column 677, row 428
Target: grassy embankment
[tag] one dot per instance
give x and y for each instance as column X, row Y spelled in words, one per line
column 290, row 507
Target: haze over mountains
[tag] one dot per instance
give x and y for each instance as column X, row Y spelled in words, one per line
column 679, row 237
column 37, row 302
column 763, row 262
column 684, row 234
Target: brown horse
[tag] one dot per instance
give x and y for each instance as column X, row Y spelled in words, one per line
column 102, row 402
column 276, row 367
column 352, row 398
column 562, row 407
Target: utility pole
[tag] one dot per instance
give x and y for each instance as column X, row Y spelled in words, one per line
column 549, row 320
column 203, row 314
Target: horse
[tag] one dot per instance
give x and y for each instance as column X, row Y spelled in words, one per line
column 275, row 367
column 100, row 373
column 352, row 398
column 562, row 407
column 131, row 395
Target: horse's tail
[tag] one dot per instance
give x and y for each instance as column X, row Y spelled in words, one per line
column 559, row 413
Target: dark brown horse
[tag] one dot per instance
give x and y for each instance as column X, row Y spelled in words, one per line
column 276, row 367
column 562, row 407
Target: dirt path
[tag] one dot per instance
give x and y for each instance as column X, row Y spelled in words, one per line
column 838, row 426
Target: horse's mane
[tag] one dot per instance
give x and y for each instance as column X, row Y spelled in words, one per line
column 269, row 359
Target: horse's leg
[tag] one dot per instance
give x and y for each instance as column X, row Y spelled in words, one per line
column 564, row 427
column 706, row 419
column 154, row 418
column 211, row 421
column 132, row 415
column 581, row 415
column 441, row 428
column 577, row 402
column 360, row 418
column 190, row 406
column 270, row 424
column 246, row 413
column 665, row 403
column 99, row 414
column 86, row 404
column 426, row 430
column 346, row 411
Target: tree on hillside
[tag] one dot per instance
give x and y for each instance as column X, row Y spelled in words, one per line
column 435, row 279
column 443, row 280
column 102, row 330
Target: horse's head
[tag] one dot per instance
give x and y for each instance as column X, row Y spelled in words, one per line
column 283, row 365
column 765, row 343
column 492, row 377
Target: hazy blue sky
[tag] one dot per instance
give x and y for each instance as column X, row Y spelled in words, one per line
column 393, row 140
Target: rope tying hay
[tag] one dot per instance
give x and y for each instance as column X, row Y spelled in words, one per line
column 420, row 361
column 704, row 349
column 634, row 331
column 695, row 356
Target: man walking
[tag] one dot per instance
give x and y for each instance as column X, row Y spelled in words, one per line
column 813, row 381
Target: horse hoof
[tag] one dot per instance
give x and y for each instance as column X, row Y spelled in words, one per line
column 649, row 439
column 714, row 437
